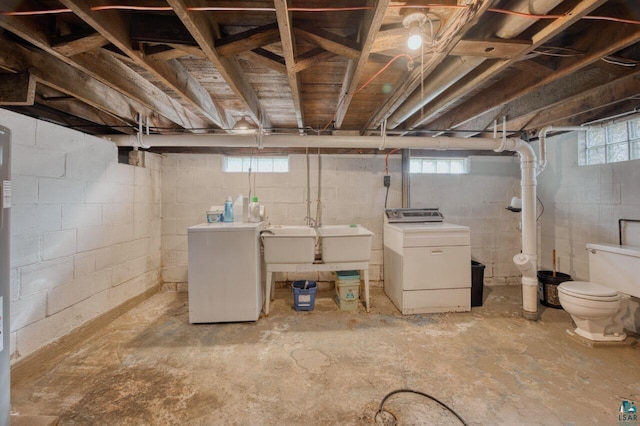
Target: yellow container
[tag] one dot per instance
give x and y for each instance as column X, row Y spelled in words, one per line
column 348, row 294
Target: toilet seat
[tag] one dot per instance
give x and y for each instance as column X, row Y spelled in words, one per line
column 588, row 291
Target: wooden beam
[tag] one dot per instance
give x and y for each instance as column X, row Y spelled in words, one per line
column 341, row 46
column 549, row 31
column 355, row 69
column 17, row 89
column 268, row 59
column 151, row 28
column 162, row 52
column 114, row 26
column 288, row 47
column 312, row 57
column 51, row 98
column 78, row 42
column 390, row 39
column 491, row 48
column 248, row 40
column 461, row 22
column 104, row 68
column 204, row 32
column 66, row 79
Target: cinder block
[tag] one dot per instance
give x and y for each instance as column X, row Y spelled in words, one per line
column 14, row 284
column 143, row 194
column 51, row 136
column 90, row 238
column 116, row 213
column 24, row 220
column 101, row 149
column 81, row 215
column 125, row 291
column 128, row 270
column 24, row 189
column 23, row 128
column 45, row 275
column 58, row 244
column 38, row 334
column 174, row 274
column 37, row 162
column 90, row 308
column 84, row 264
column 120, row 173
column 49, row 217
column 60, row 191
column 74, row 291
column 12, row 346
column 28, row 310
column 25, row 250
column 142, row 176
column 104, row 258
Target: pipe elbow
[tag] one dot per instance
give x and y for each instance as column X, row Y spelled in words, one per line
column 526, row 264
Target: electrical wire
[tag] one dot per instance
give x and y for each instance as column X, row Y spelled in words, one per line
column 386, row 196
column 426, row 395
column 386, row 160
column 312, row 10
column 541, row 206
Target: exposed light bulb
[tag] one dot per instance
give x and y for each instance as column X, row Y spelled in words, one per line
column 414, row 41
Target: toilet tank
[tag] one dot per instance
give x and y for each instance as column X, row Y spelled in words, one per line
column 616, row 267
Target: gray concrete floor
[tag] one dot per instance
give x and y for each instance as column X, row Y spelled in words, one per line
column 151, row 366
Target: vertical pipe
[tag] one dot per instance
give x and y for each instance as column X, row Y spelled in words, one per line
column 5, row 265
column 406, row 179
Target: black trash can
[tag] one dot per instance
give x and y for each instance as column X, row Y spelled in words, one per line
column 548, row 287
column 477, row 283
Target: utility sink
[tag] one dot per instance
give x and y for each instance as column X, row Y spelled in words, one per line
column 345, row 243
column 289, row 244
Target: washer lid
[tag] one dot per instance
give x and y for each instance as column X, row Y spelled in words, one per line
column 585, row 288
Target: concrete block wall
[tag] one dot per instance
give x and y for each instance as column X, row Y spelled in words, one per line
column 352, row 192
column 583, row 205
column 479, row 200
column 85, row 230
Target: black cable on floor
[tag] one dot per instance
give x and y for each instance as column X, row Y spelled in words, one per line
column 390, row 394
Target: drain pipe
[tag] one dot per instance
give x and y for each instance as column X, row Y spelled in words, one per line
column 526, row 261
column 542, row 161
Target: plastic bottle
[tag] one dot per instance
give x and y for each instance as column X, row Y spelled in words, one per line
column 237, row 210
column 228, row 210
column 254, row 210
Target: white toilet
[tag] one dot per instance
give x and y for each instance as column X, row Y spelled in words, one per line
column 597, row 306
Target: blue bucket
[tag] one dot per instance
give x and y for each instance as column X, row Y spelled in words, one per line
column 304, row 295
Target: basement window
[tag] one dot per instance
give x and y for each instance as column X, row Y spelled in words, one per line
column 258, row 164
column 439, row 165
column 611, row 143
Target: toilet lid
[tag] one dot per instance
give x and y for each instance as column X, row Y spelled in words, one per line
column 587, row 289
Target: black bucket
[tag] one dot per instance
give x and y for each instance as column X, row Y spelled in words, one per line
column 548, row 287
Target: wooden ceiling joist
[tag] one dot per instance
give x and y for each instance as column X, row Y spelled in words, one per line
column 248, row 40
column 114, row 27
column 355, row 69
column 286, row 36
column 312, row 57
column 267, row 59
column 78, row 42
column 103, row 67
column 203, row 31
column 545, row 34
column 517, row 87
column 341, row 46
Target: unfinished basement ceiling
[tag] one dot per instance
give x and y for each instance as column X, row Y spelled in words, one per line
column 322, row 66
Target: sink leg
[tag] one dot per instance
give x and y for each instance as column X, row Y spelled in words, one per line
column 365, row 272
column 267, row 299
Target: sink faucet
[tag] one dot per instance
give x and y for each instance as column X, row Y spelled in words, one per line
column 312, row 222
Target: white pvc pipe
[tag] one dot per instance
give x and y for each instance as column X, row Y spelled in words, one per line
column 527, row 170
column 542, row 161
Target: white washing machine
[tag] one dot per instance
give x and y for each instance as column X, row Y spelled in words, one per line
column 427, row 263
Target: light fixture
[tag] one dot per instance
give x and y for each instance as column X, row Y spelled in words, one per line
column 415, row 23
column 243, row 127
